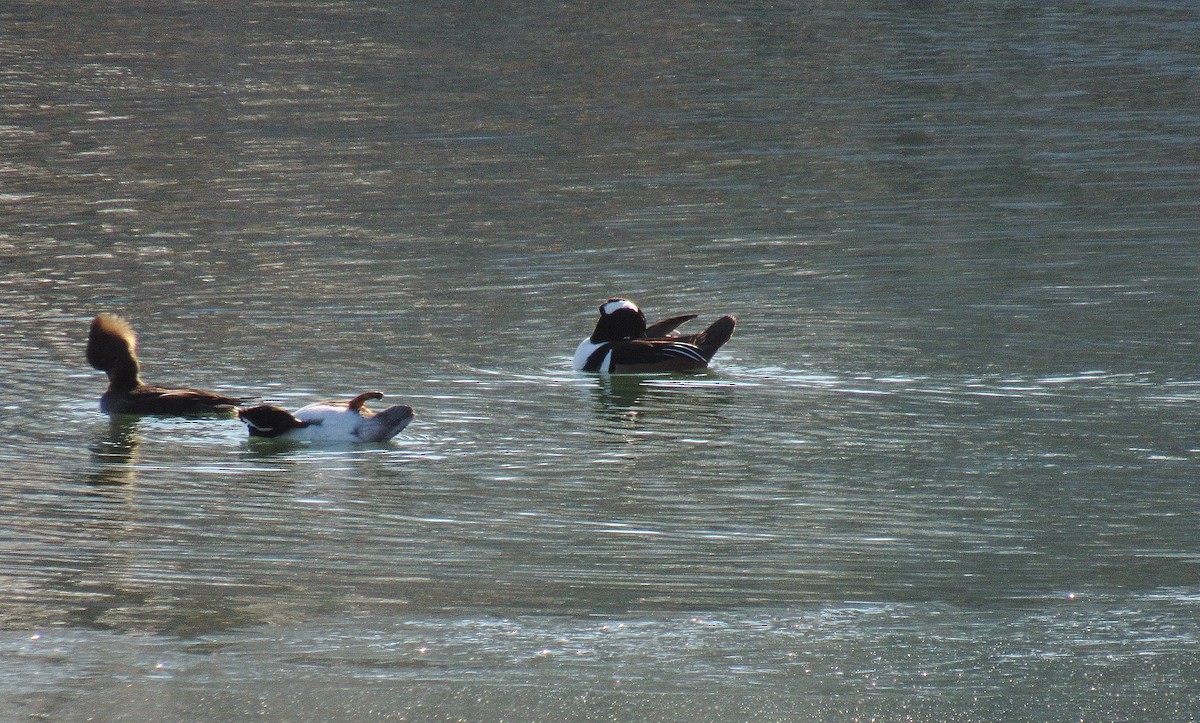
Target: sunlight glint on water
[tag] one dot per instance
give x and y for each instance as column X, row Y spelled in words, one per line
column 943, row 471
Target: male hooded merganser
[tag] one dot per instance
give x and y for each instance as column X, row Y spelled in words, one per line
column 622, row 343
column 328, row 421
column 112, row 348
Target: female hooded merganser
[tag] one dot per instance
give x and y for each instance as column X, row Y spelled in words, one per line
column 328, row 421
column 112, row 348
column 622, row 343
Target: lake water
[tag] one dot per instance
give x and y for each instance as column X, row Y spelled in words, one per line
column 945, row 470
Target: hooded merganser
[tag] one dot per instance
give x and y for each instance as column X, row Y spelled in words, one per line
column 112, row 348
column 328, row 421
column 623, row 343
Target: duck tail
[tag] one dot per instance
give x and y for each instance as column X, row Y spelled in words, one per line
column 112, row 348
column 715, row 336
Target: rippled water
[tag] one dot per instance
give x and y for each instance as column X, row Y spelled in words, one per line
column 945, row 469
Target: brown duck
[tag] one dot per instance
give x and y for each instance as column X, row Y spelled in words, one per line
column 112, row 348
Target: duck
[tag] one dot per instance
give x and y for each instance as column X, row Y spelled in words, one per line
column 622, row 343
column 112, row 349
column 347, row 421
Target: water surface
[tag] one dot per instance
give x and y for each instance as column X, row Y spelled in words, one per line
column 943, row 471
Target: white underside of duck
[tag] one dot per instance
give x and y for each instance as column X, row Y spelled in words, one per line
column 336, row 423
column 330, row 422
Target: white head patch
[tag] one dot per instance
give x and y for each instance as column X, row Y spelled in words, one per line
column 616, row 304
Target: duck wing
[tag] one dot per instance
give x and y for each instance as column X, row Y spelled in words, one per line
column 712, row 338
column 634, row 356
column 150, row 399
column 664, row 328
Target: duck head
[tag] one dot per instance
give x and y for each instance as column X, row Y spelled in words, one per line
column 619, row 319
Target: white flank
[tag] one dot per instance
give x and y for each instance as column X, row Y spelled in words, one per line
column 585, row 349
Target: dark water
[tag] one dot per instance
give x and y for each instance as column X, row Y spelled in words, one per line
column 945, row 470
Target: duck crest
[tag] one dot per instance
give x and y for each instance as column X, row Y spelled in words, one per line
column 619, row 319
column 112, row 348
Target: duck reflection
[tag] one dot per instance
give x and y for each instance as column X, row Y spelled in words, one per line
column 115, row 452
column 619, row 397
column 629, row 399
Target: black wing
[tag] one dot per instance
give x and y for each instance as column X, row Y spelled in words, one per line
column 655, row 355
column 663, row 328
